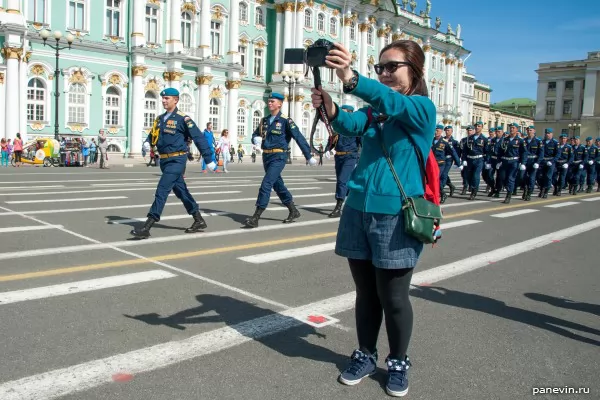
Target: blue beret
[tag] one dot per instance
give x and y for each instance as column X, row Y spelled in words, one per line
column 589, row 138
column 170, row 92
column 548, row 130
column 439, row 126
column 575, row 137
column 598, row 139
column 514, row 124
column 499, row 128
column 470, row 127
column 448, row 127
column 277, row 96
column 531, row 127
column 564, row 135
column 492, row 130
column 347, row 107
column 519, row 132
column 479, row 123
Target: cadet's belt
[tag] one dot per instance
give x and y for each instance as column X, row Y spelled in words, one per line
column 531, row 156
column 448, row 156
column 342, row 153
column 494, row 157
column 441, row 161
column 510, row 158
column 169, row 155
column 577, row 162
column 479, row 156
column 273, row 151
column 548, row 158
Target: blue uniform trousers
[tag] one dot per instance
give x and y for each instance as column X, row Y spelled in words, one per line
column 344, row 165
column 488, row 174
column 172, row 179
column 473, row 175
column 273, row 164
column 530, row 175
column 559, row 178
column 444, row 171
column 591, row 174
column 464, row 176
column 597, row 173
column 545, row 174
column 574, row 173
column 508, row 174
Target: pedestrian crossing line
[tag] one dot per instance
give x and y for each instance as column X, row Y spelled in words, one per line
column 211, row 193
column 29, row 228
column 462, row 203
column 514, row 213
column 154, row 183
column 32, row 187
column 91, row 374
column 565, row 204
column 592, row 199
column 83, row 286
column 66, row 200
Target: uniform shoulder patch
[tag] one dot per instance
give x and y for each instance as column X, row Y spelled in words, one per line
column 182, row 114
column 186, row 118
column 283, row 116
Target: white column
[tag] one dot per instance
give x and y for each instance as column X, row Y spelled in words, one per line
column 297, row 113
column 449, row 79
column 288, row 26
column 232, row 106
column 427, row 51
column 205, row 28
column 558, row 105
column 299, row 32
column 174, row 41
column 278, row 50
column 346, row 22
column 136, row 130
column 23, row 97
column 2, row 104
column 577, row 99
column 203, row 101
column 12, row 55
column 139, row 15
column 540, row 107
column 381, row 34
column 362, row 54
column 234, row 17
column 589, row 100
column 13, row 5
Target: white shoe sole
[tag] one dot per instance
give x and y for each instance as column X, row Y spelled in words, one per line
column 354, row 382
column 396, row 394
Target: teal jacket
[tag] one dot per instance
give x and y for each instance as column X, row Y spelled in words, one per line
column 372, row 185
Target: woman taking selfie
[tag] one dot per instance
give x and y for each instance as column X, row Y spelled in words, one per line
column 371, row 232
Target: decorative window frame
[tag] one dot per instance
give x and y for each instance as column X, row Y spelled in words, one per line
column 38, row 25
column 321, row 31
column 336, row 21
column 45, row 73
column 242, row 106
column 120, row 81
column 86, row 23
column 219, row 14
column 260, row 43
column 260, row 27
column 193, row 25
column 77, row 75
column 153, row 83
column 159, row 23
column 121, row 24
column 189, row 87
column 244, row 40
column 257, row 105
column 247, row 4
column 312, row 19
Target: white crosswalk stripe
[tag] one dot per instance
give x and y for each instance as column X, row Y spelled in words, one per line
column 29, row 228
column 514, row 213
column 559, row 205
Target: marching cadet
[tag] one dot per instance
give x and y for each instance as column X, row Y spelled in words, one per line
column 535, row 155
column 448, row 130
column 565, row 157
column 590, row 166
column 580, row 157
column 474, row 157
column 463, row 151
column 494, row 160
column 444, row 155
column 598, row 164
column 169, row 134
column 273, row 134
column 345, row 152
column 488, row 172
column 551, row 153
column 512, row 155
column 520, row 173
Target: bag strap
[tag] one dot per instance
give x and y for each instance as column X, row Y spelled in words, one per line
column 389, row 160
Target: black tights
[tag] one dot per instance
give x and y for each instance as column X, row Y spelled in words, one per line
column 380, row 291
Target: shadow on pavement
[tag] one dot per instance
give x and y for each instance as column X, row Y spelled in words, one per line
column 498, row 308
column 565, row 303
column 133, row 224
column 239, row 315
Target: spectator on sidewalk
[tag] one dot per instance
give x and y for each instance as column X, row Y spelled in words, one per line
column 103, row 146
column 223, row 147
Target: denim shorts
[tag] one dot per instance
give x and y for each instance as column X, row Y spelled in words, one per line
column 376, row 237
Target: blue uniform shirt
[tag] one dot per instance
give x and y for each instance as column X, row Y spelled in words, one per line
column 173, row 133
column 493, row 146
column 444, row 152
column 456, row 145
column 535, row 149
column 475, row 145
column 593, row 153
column 580, row 154
column 343, row 143
column 565, row 153
column 551, row 149
column 277, row 132
column 513, row 148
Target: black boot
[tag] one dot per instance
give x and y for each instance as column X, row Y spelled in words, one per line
column 337, row 211
column 589, row 189
column 507, row 199
column 492, row 192
column 598, row 190
column 545, row 195
column 497, row 194
column 514, row 193
column 541, row 193
column 452, row 189
column 198, row 225
column 580, row 189
column 252, row 222
column 144, row 231
column 524, row 196
column 464, row 191
column 473, row 194
column 572, row 189
column 294, row 213
column 528, row 195
column 555, row 193
column 443, row 198
column 487, row 188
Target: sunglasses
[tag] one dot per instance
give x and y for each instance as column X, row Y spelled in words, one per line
column 390, row 66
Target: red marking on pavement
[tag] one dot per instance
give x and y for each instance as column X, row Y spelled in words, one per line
column 120, row 377
column 317, row 319
column 556, row 241
column 491, row 262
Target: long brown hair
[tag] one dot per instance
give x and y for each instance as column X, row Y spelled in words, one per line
column 225, row 131
column 416, row 58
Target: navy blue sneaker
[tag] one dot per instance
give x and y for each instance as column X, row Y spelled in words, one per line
column 361, row 366
column 397, row 384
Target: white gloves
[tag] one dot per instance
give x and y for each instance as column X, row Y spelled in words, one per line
column 536, row 166
column 522, row 167
column 312, row 162
column 580, row 166
column 565, row 166
column 488, row 166
column 333, row 152
column 549, row 163
column 460, row 167
column 464, row 163
column 591, row 162
column 498, row 165
column 257, row 141
column 328, row 154
column 212, row 166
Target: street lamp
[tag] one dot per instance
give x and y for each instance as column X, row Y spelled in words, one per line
column 45, row 34
column 291, row 78
column 574, row 127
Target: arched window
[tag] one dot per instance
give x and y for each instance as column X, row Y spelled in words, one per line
column 370, row 36
column 433, row 62
column 77, row 103
column 256, row 116
column 186, row 29
column 321, row 22
column 353, row 32
column 112, row 106
column 150, row 109
column 305, row 123
column 241, row 122
column 151, row 24
column 215, row 37
column 258, row 62
column 259, row 18
column 113, row 148
column 186, row 105
column 333, row 26
column 243, row 12
column 307, row 19
column 213, row 114
column 36, row 100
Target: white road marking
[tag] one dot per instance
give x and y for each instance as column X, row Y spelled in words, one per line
column 66, row 200
column 82, row 286
column 464, row 203
column 29, row 228
column 514, row 213
column 210, row 193
column 565, row 204
column 302, row 206
column 85, row 376
column 32, row 187
column 456, row 224
column 154, row 183
column 125, row 207
column 591, row 199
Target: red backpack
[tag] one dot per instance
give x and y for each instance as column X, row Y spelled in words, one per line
column 430, row 172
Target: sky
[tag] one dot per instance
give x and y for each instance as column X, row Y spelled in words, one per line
column 508, row 39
